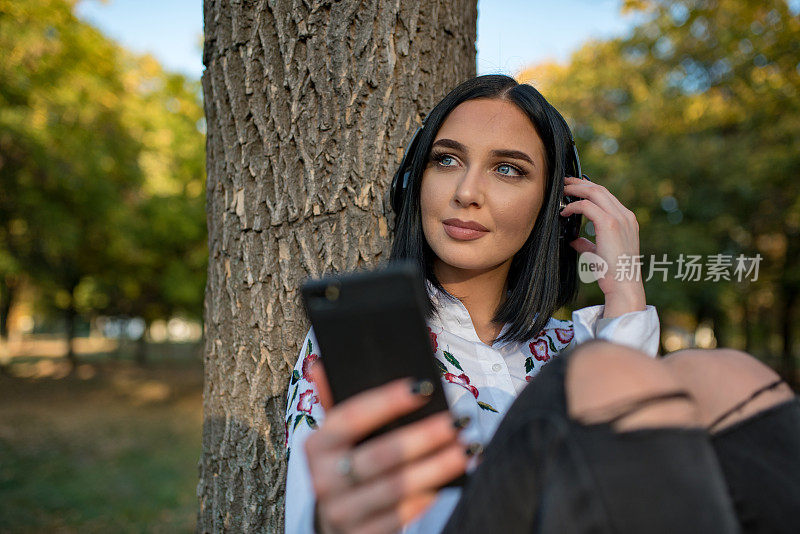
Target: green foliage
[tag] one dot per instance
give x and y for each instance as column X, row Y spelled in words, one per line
column 693, row 123
column 101, row 169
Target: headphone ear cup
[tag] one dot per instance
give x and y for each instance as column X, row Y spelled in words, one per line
column 395, row 197
column 571, row 224
column 398, row 189
column 401, row 179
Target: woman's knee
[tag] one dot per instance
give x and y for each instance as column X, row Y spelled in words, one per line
column 604, row 380
column 721, row 379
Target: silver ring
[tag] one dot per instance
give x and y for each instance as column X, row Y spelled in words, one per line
column 344, row 466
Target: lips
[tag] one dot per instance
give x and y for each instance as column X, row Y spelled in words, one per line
column 464, row 230
column 470, row 225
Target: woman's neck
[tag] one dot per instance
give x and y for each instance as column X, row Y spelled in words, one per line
column 481, row 293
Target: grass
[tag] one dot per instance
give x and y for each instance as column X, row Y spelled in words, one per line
column 110, row 448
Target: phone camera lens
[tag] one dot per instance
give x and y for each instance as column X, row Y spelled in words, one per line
column 332, row 292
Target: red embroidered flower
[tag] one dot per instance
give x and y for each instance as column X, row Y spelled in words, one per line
column 306, row 401
column 539, row 350
column 528, row 378
column 565, row 335
column 434, row 343
column 307, row 361
column 463, row 381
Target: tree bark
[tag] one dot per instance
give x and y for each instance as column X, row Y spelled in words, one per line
column 308, row 108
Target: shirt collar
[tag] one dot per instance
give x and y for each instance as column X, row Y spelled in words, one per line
column 452, row 316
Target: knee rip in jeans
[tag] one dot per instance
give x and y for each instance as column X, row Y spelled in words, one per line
column 627, row 415
column 727, row 417
column 627, row 389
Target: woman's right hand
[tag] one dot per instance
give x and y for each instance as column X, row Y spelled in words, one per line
column 383, row 483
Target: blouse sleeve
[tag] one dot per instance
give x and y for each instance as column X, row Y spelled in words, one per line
column 303, row 415
column 638, row 329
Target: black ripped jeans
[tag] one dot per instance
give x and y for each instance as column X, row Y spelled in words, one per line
column 545, row 473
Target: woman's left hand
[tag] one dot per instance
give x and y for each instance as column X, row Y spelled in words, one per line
column 617, row 234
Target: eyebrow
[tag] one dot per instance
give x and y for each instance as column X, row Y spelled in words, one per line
column 514, row 154
column 451, row 143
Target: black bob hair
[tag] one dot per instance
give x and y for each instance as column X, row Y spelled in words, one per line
column 543, row 273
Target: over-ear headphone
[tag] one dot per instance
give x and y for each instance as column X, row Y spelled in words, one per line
column 570, row 225
column 402, row 178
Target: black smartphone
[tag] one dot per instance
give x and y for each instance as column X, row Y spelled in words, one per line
column 371, row 329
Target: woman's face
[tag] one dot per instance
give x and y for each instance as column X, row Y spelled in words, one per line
column 486, row 171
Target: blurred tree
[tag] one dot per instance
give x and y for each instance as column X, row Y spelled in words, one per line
column 308, row 112
column 693, row 122
column 162, row 261
column 101, row 173
column 67, row 159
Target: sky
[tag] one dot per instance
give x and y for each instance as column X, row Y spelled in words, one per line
column 512, row 34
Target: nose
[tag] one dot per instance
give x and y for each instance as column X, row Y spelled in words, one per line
column 470, row 188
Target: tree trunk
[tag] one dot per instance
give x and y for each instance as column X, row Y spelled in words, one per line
column 6, row 299
column 7, row 291
column 747, row 322
column 788, row 366
column 718, row 320
column 308, row 107
column 141, row 348
column 70, row 315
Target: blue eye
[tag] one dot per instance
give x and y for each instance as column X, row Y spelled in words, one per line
column 447, row 161
column 508, row 170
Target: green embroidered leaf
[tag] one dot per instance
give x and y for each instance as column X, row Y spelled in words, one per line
column 486, row 406
column 311, row 422
column 309, row 347
column 294, row 394
column 528, row 364
column 297, row 420
column 552, row 346
column 440, row 366
column 452, row 359
column 295, row 376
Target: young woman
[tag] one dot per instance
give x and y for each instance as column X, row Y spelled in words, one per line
column 481, row 215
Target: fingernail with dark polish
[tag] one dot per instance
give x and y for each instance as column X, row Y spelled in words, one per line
column 422, row 387
column 462, row 422
column 474, row 448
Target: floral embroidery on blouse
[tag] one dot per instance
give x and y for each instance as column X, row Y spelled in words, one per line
column 434, row 343
column 548, row 343
column 463, row 381
column 565, row 335
column 460, row 379
column 303, row 396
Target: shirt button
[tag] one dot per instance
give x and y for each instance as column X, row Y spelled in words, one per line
column 496, row 367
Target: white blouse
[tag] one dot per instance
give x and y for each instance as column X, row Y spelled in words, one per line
column 480, row 381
